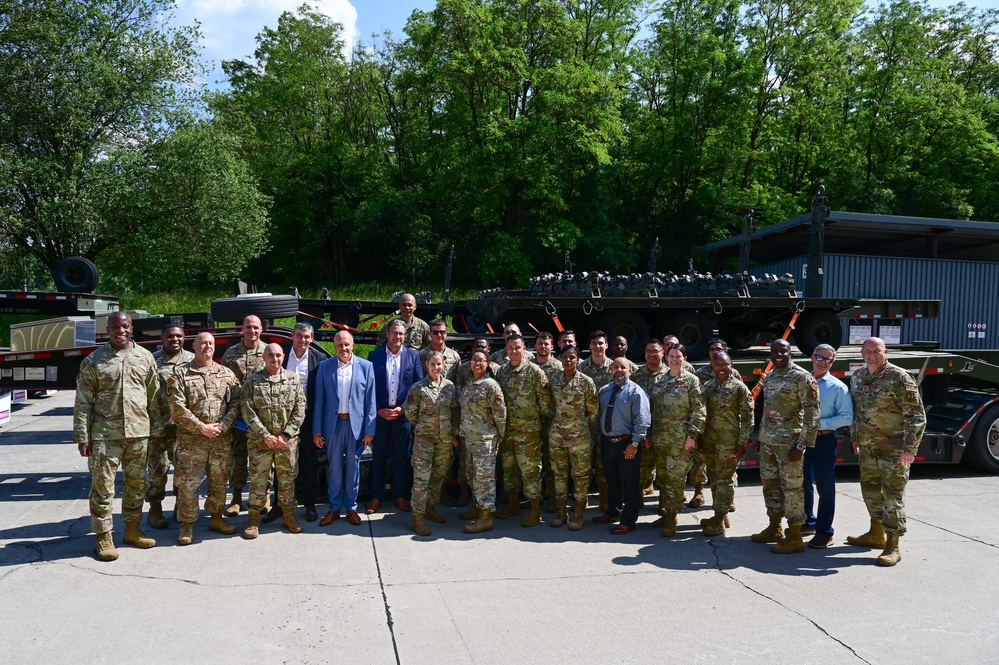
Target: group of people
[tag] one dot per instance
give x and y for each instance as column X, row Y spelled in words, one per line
column 552, row 422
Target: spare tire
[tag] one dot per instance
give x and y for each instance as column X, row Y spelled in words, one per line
column 818, row 327
column 76, row 275
column 264, row 305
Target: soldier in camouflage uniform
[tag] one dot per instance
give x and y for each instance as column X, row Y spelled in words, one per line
column 499, row 357
column 482, row 427
column 462, row 378
column 115, row 414
column 598, row 368
column 645, row 376
column 670, row 340
column 273, row 406
column 678, row 416
column 619, row 349
column 566, row 338
column 525, row 391
column 699, row 473
column 161, row 448
column 243, row 359
column 431, row 404
column 204, row 402
column 574, row 415
column 417, row 330
column 789, row 425
column 438, row 343
column 888, row 424
column 728, row 426
column 543, row 346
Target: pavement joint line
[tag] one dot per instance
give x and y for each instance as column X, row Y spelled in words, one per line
column 381, row 585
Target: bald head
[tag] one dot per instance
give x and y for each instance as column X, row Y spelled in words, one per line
column 252, row 327
column 120, row 330
column 273, row 358
column 204, row 349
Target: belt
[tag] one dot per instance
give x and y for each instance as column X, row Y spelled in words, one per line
column 617, row 439
column 823, row 432
column 343, row 416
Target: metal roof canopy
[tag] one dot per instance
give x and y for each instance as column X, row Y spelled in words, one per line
column 870, row 235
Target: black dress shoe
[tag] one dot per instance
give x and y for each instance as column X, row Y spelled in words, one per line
column 310, row 514
column 271, row 515
column 820, row 541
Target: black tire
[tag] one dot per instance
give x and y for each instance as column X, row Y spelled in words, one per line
column 814, row 328
column 313, row 316
column 983, row 451
column 76, row 275
column 628, row 324
column 738, row 337
column 267, row 307
column 694, row 331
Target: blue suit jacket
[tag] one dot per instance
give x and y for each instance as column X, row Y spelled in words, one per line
column 411, row 370
column 327, row 401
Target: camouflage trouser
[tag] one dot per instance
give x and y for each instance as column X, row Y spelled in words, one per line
column 882, row 484
column 480, row 464
column 191, row 461
column 285, row 463
column 646, row 466
column 673, row 463
column 107, row 456
column 520, row 454
column 239, row 461
column 431, row 459
column 159, row 456
column 570, row 456
column 719, row 456
column 783, row 483
column 699, row 469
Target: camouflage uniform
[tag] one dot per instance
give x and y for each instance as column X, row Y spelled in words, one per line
column 430, row 407
column 452, row 361
column 790, row 416
column 525, row 390
column 116, row 413
column 574, row 415
column 243, row 362
column 888, row 418
column 729, row 423
column 273, row 404
column 499, row 357
column 601, row 375
column 200, row 396
column 417, row 333
column 550, row 367
column 161, row 450
column 645, row 377
column 483, row 426
column 462, row 378
column 677, row 413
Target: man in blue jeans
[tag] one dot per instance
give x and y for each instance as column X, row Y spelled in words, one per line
column 835, row 411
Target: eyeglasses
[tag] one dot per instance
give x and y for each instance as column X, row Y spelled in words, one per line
column 822, row 359
column 438, row 332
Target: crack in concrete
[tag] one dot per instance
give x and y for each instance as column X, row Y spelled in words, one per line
column 381, row 584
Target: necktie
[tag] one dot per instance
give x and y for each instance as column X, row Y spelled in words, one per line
column 609, row 414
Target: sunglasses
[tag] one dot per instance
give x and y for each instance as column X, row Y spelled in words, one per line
column 822, row 358
column 438, row 332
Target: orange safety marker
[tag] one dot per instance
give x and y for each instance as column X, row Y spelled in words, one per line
column 770, row 364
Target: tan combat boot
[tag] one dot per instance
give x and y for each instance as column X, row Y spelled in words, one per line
column 534, row 517
column 791, row 543
column 892, row 554
column 772, row 533
column 186, row 536
column 874, row 538
column 715, row 526
column 235, row 505
column 579, row 507
column 419, row 526
column 219, row 525
column 484, row 523
column 512, row 506
column 562, row 517
column 252, row 528
column 669, row 524
column 104, row 547
column 698, row 499
column 469, row 513
column 434, row 516
column 134, row 535
column 155, row 517
column 289, row 520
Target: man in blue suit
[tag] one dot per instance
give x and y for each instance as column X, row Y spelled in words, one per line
column 343, row 420
column 397, row 367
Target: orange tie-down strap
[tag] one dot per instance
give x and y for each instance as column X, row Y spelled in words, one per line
column 770, row 364
column 327, row 325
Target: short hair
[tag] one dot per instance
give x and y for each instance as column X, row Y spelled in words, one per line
column 597, row 334
column 480, row 339
column 825, row 347
column 395, row 323
column 243, row 323
column 434, row 354
column 304, row 327
column 171, row 326
column 718, row 340
column 568, row 349
column 543, row 335
column 566, row 332
column 438, row 322
column 653, row 340
column 514, row 337
column 679, row 347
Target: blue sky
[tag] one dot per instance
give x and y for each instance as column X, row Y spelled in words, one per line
column 230, row 26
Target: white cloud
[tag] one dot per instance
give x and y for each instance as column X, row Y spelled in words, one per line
column 229, row 27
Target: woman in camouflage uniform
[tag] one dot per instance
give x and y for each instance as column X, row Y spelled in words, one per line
column 429, row 407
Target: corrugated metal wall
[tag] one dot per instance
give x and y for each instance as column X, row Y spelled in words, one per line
column 968, row 292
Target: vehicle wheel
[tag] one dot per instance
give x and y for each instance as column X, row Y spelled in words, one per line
column 264, row 305
column 628, row 324
column 984, row 449
column 816, row 328
column 694, row 331
column 76, row 275
column 313, row 316
column 738, row 336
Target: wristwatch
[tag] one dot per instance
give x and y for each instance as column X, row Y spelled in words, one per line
column 634, row 444
column 800, row 445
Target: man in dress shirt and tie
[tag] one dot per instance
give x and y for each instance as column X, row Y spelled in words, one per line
column 835, row 411
column 343, row 420
column 396, row 368
column 622, row 421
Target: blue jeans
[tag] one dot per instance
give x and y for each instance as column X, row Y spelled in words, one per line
column 820, row 469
